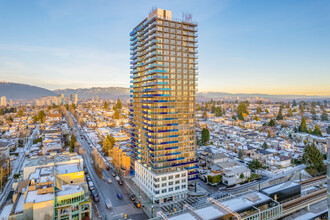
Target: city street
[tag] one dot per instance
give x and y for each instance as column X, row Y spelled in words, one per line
column 106, row 190
column 17, row 167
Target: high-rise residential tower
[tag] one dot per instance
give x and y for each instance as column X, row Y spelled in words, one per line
column 328, row 174
column 163, row 89
column 3, row 101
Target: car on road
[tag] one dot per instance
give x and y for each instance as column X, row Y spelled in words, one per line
column 90, row 185
column 114, row 174
column 96, row 197
column 117, row 178
column 119, row 196
column 108, row 203
column 132, row 197
column 137, row 204
column 120, row 182
column 109, row 180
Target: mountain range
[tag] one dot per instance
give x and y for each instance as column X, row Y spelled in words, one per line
column 18, row 91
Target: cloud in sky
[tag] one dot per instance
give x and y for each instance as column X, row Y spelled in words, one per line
column 244, row 46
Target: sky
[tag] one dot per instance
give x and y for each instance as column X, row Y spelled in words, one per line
column 255, row 46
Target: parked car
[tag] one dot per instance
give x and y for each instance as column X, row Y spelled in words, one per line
column 90, row 185
column 109, row 180
column 132, row 197
column 96, row 197
column 117, row 178
column 114, row 174
column 119, row 196
column 120, row 182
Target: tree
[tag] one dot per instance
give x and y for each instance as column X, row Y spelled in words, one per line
column 72, row 142
column 105, row 105
column 256, row 118
column 240, row 154
column 234, row 117
column 118, row 104
column 241, row 176
column 317, row 131
column 106, row 146
column 324, row 116
column 240, row 116
column 116, row 115
column 328, row 129
column 20, row 113
column 204, row 115
column 258, row 110
column 205, row 135
column 213, row 179
column 264, row 146
column 41, row 116
column 256, row 165
column 67, row 107
column 267, row 111
column 242, row 108
column 313, row 159
column 303, row 125
column 301, row 108
column 279, row 116
column 290, row 113
column 294, row 103
column 272, row 123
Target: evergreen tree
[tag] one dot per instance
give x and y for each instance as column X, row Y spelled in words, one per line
column 116, row 115
column 324, row 116
column 317, row 131
column 303, row 125
column 313, row 159
column 264, row 146
column 272, row 123
column 290, row 113
column 240, row 154
column 233, row 117
column 279, row 116
column 294, row 103
column 105, row 105
column 205, row 135
column 256, row 118
column 20, row 113
column 118, row 104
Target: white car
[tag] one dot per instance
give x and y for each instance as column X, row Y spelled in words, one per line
column 109, row 181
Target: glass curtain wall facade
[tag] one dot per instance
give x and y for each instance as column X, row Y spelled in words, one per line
column 163, row 90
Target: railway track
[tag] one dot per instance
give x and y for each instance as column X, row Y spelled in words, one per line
column 314, row 180
column 304, row 201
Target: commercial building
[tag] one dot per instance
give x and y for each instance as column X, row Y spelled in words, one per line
column 52, row 187
column 75, row 99
column 162, row 110
column 3, row 101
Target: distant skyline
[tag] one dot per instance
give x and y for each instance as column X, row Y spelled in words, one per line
column 268, row 47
